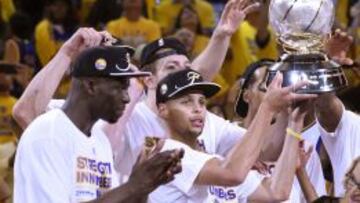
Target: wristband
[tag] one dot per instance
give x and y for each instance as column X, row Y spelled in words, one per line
column 291, row 132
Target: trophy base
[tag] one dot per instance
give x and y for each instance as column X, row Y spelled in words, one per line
column 323, row 75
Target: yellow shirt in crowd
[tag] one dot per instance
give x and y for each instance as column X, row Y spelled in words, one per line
column 342, row 9
column 245, row 51
column 134, row 33
column 46, row 48
column 7, row 133
column 167, row 11
column 46, row 45
column 85, row 9
column 7, row 9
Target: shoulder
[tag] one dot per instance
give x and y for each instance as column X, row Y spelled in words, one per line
column 148, row 22
column 42, row 25
column 115, row 22
column 43, row 127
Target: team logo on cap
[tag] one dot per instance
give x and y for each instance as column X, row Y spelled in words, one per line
column 192, row 76
column 161, row 42
column 100, row 64
column 163, row 89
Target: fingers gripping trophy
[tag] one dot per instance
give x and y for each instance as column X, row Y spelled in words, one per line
column 302, row 26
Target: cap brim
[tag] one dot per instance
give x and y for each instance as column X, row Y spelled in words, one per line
column 241, row 107
column 209, row 89
column 131, row 74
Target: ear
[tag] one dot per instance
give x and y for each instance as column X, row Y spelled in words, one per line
column 89, row 86
column 150, row 82
column 163, row 111
column 246, row 96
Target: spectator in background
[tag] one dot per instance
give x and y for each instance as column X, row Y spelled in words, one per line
column 102, row 11
column 9, row 130
column 251, row 42
column 20, row 50
column 168, row 10
column 132, row 28
column 189, row 31
column 7, row 9
column 52, row 32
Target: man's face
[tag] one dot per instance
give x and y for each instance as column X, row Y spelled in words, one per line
column 110, row 97
column 5, row 82
column 185, row 115
column 171, row 64
column 59, row 9
column 133, row 9
column 253, row 94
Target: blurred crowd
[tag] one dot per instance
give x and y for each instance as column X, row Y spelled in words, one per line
column 31, row 33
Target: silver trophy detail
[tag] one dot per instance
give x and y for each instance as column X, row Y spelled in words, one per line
column 302, row 26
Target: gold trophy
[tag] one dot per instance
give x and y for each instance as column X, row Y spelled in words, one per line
column 302, row 26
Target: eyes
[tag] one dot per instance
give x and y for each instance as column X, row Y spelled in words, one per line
column 189, row 101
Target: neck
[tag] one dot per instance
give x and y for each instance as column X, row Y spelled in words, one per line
column 78, row 111
column 132, row 18
column 249, row 117
column 150, row 101
column 189, row 140
column 309, row 118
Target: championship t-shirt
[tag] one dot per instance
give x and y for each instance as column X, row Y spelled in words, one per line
column 56, row 162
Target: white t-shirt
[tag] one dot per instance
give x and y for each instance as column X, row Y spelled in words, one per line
column 218, row 135
column 343, row 146
column 56, row 162
column 239, row 193
column 182, row 189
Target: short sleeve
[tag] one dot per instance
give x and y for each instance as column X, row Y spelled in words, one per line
column 42, row 173
column 192, row 163
column 227, row 134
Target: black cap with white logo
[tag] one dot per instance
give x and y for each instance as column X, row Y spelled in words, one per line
column 106, row 61
column 177, row 83
column 149, row 54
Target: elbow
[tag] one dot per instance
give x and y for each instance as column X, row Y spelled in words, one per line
column 20, row 115
column 282, row 195
column 234, row 180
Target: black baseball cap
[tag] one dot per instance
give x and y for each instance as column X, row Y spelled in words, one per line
column 105, row 61
column 149, row 52
column 241, row 107
column 182, row 81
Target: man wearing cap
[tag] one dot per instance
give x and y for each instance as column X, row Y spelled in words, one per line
column 181, row 100
column 64, row 156
column 161, row 57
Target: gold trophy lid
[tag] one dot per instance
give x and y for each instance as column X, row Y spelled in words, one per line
column 301, row 25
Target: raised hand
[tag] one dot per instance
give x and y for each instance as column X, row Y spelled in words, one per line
column 85, row 38
column 234, row 13
column 155, row 168
column 279, row 98
column 338, row 46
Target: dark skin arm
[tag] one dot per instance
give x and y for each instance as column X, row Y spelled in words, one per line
column 150, row 171
column 328, row 107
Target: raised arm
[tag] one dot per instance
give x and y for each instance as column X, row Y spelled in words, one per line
column 41, row 89
column 209, row 62
column 233, row 170
column 278, row 186
column 329, row 108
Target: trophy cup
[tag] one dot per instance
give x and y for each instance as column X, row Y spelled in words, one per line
column 302, row 27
